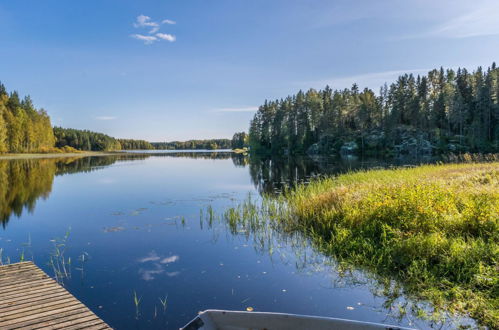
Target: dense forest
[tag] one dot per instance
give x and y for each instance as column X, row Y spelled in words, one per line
column 129, row 144
column 443, row 111
column 210, row 144
column 23, row 128
column 85, row 140
column 93, row 141
column 239, row 140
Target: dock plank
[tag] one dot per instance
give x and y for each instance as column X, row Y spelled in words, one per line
column 30, row 299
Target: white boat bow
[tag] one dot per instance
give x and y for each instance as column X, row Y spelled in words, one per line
column 235, row 320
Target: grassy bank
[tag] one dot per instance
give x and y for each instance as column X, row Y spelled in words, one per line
column 430, row 232
column 435, row 229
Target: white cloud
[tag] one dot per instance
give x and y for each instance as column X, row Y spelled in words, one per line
column 150, row 274
column 146, row 39
column 166, row 36
column 169, row 260
column 152, row 256
column 105, row 118
column 172, row 274
column 143, row 21
column 155, row 265
column 242, row 109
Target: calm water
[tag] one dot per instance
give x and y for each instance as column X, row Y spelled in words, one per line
column 142, row 225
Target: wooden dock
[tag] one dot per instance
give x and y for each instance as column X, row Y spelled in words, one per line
column 30, row 299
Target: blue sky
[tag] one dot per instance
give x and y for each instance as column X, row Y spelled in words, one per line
column 164, row 70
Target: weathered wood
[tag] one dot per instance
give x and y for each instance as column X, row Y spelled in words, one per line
column 30, row 323
column 29, row 299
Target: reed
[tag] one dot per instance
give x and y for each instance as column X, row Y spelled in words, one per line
column 136, row 302
column 433, row 230
column 61, row 265
column 164, row 303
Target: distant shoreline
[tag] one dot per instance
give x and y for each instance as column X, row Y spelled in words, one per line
column 104, row 153
column 56, row 155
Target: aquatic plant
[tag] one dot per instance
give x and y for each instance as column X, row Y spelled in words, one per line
column 60, row 265
column 430, row 233
column 164, row 303
column 136, row 301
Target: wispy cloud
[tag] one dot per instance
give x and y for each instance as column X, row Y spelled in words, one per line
column 143, row 21
column 469, row 19
column 151, row 256
column 482, row 21
column 105, row 118
column 169, row 260
column 242, row 109
column 166, row 36
column 146, row 39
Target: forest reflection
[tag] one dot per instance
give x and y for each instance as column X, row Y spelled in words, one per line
column 272, row 175
column 24, row 181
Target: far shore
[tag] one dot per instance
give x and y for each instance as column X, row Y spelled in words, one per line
column 57, row 155
column 100, row 153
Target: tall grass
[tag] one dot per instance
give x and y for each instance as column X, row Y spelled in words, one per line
column 429, row 232
column 434, row 229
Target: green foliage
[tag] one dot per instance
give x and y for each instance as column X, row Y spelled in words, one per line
column 239, row 140
column 453, row 110
column 22, row 182
column 129, row 144
column 193, row 144
column 435, row 229
column 22, row 127
column 85, row 140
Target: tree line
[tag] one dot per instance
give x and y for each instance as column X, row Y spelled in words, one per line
column 445, row 110
column 93, row 141
column 239, row 140
column 23, row 128
column 129, row 144
column 85, row 140
column 211, row 144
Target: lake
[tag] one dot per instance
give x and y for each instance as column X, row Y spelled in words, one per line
column 151, row 226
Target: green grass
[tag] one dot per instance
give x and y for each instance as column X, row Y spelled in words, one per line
column 434, row 229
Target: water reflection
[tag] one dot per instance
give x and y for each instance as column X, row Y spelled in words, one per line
column 24, row 181
column 271, row 175
column 141, row 234
column 259, row 224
